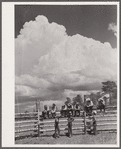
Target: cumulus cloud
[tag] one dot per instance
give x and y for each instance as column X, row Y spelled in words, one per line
column 78, row 61
column 32, row 81
column 24, row 90
column 71, row 93
column 113, row 28
column 36, row 39
column 48, row 61
column 29, row 86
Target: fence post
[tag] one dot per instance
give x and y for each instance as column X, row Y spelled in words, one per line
column 85, row 128
column 38, row 124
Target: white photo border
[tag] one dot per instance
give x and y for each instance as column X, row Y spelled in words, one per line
column 8, row 73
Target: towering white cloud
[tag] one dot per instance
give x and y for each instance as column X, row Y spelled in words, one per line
column 36, row 39
column 113, row 28
column 48, row 61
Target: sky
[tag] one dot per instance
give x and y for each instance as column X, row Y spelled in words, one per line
column 63, row 51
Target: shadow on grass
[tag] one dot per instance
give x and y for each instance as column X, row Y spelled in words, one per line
column 65, row 134
column 26, row 136
column 51, row 135
column 44, row 135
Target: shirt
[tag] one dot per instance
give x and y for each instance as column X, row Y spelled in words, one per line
column 54, row 109
column 90, row 104
column 77, row 107
column 70, row 106
column 101, row 101
column 64, row 107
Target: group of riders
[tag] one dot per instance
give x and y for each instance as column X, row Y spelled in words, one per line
column 73, row 109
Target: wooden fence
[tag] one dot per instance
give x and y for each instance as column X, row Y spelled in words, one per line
column 105, row 122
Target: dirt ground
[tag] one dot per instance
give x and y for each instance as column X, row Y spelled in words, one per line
column 100, row 138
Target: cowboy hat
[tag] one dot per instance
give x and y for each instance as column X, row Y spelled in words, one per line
column 88, row 99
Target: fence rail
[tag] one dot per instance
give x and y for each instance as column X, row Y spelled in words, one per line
column 25, row 125
column 25, row 130
column 107, row 119
column 26, row 113
column 22, row 114
column 29, row 121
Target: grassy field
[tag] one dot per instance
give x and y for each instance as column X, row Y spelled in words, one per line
column 100, row 138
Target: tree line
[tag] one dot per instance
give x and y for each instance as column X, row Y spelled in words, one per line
column 108, row 87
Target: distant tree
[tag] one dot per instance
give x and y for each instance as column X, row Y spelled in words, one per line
column 110, row 87
column 85, row 97
column 34, row 110
column 78, row 99
column 94, row 98
column 50, row 107
column 74, row 100
column 26, row 111
column 98, row 94
column 114, row 93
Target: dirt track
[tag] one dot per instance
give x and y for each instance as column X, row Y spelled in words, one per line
column 100, row 138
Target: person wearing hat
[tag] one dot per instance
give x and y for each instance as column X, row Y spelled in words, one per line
column 77, row 109
column 70, row 120
column 64, row 110
column 57, row 129
column 101, row 104
column 44, row 112
column 70, row 108
column 93, row 124
column 53, row 111
column 88, row 106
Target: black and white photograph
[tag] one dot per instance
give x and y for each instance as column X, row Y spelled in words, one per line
column 66, row 74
